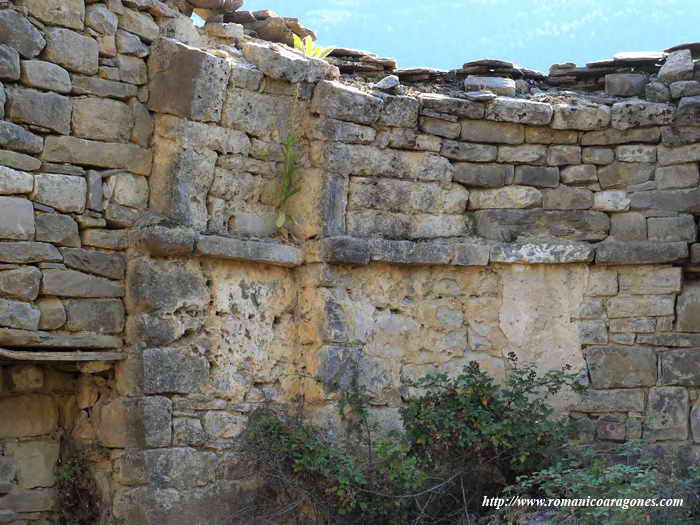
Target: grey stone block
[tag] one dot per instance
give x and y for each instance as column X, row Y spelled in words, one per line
column 69, row 283
column 170, row 370
column 346, row 250
column 463, row 151
column 640, row 113
column 17, row 32
column 99, row 87
column 625, row 84
column 684, row 201
column 688, row 308
column 22, row 283
column 482, row 175
column 16, row 219
column 458, row 107
column 256, row 251
column 112, row 265
column 538, row 176
column 672, row 229
column 24, row 252
column 542, row 253
column 57, row 229
column 26, row 338
column 676, row 340
column 520, row 111
column 615, row 366
column 157, row 421
column 45, row 75
column 18, row 314
column 667, row 414
column 624, row 174
column 628, row 227
column 104, row 316
column 567, row 198
column 519, row 225
column 627, row 400
column 680, row 367
column 73, row 51
column 581, row 117
column 9, row 63
column 46, row 110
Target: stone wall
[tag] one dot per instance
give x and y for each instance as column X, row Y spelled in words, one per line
column 139, row 183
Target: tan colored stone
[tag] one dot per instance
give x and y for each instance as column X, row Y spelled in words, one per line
column 101, row 154
column 27, row 415
column 102, row 119
column 36, row 462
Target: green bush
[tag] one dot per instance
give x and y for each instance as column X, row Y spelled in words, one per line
column 632, row 473
column 464, row 437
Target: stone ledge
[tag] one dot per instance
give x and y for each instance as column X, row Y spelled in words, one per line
column 542, row 253
column 268, row 252
column 28, row 338
column 641, row 252
column 32, row 355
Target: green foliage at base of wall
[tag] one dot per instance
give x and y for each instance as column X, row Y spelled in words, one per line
column 79, row 501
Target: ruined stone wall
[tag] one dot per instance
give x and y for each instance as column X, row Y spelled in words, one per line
column 139, row 167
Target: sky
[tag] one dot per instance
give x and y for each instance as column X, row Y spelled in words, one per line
column 531, row 33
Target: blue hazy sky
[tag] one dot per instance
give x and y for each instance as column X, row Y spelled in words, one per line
column 532, row 33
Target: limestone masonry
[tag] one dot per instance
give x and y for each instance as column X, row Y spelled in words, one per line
column 148, row 302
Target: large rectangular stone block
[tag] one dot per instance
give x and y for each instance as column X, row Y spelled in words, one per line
column 492, row 132
column 680, row 367
column 667, row 414
column 73, row 150
column 18, row 314
column 641, row 306
column 173, row 370
column 631, row 400
column 672, row 229
column 74, row 51
column 102, row 119
column 67, row 13
column 687, row 201
column 201, row 97
column 482, row 175
column 104, row 316
column 581, row 117
column 504, row 109
column 16, row 219
column 650, row 280
column 688, row 308
column 621, row 366
column 342, row 102
column 63, row 192
column 458, row 107
column 47, row 110
column 69, row 283
column 522, row 225
column 111, row 265
column 640, row 252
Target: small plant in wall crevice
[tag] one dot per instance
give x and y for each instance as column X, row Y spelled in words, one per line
column 308, row 47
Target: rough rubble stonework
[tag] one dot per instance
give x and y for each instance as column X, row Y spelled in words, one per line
column 444, row 217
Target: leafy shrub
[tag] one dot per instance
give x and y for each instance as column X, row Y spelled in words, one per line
column 464, row 437
column 79, row 501
column 632, row 473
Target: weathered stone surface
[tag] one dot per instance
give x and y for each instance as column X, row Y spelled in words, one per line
column 105, row 316
column 458, row 107
column 181, row 469
column 657, row 92
column 198, row 136
column 621, row 366
column 509, row 197
column 118, row 423
column 468, row 152
column 222, row 425
column 17, row 314
column 598, row 156
column 169, row 370
column 687, row 201
column 202, row 97
column 581, row 117
column 492, row 132
column 23, row 252
column 9, row 63
column 57, row 229
column 526, row 154
column 677, row 177
column 336, row 100
column 22, row 283
column 541, row 135
column 63, row 192
column 636, row 153
column 689, row 308
column 132, row 70
column 346, row 250
column 632, row 325
column 101, row 19
column 406, row 196
column 408, row 252
column 373, row 223
column 625, row 84
column 567, row 198
column 83, row 85
column 685, row 88
column 439, row 127
column 47, row 110
column 18, row 161
column 611, row 137
column 26, row 338
column 611, row 200
column 45, row 75
column 520, row 111
column 346, row 159
column 188, row 432
column 623, row 174
column 482, row 175
column 679, row 155
column 540, row 177
column 281, row 62
column 53, row 314
column 695, row 422
column 497, row 85
column 680, row 367
column 73, row 51
column 563, row 155
column 92, row 153
column 650, row 280
column 140, row 24
column 640, row 305
column 628, row 227
column 157, row 285
column 524, row 225
column 102, row 119
column 258, row 251
column 678, row 66
column 36, row 462
column 16, row 218
column 69, row 283
column 688, row 112
column 157, row 421
column 611, row 401
column 640, row 252
column 130, row 44
column 581, row 174
column 640, row 113
column 27, row 415
column 400, row 111
column 337, row 130
column 67, row 13
column 672, row 229
column 542, row 253
column 17, row 32
column 674, row 339
column 30, row 501
column 667, row 414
